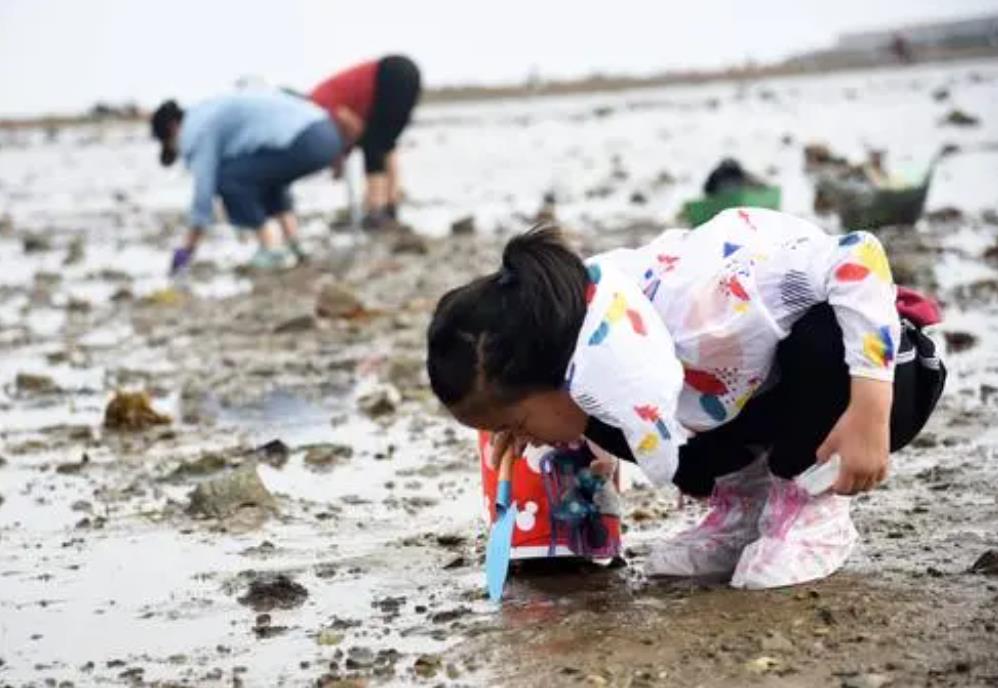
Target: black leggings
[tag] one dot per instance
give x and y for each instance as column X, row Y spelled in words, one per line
column 794, row 417
column 396, row 90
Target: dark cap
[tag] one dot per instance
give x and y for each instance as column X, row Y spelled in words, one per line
column 163, row 119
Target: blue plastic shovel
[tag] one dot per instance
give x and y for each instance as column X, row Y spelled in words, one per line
column 501, row 535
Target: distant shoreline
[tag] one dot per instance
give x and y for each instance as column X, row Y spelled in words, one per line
column 799, row 66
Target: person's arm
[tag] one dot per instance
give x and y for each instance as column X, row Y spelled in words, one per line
column 203, row 164
column 625, row 374
column 857, row 281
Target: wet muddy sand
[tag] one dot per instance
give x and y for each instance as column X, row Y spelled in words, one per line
column 292, row 508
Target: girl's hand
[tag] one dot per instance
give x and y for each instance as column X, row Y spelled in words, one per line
column 502, row 443
column 861, row 437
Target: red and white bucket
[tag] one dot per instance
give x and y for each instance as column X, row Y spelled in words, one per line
column 532, row 535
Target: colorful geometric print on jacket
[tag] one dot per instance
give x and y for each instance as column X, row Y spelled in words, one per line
column 681, row 332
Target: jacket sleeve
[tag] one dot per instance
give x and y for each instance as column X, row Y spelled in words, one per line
column 625, row 372
column 203, row 163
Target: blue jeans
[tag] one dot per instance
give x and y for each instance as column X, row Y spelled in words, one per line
column 256, row 186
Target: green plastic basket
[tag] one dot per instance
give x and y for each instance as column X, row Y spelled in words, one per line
column 701, row 210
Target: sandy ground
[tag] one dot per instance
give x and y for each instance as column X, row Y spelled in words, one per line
column 355, row 557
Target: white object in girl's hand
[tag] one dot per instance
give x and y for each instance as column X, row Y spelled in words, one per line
column 820, row 477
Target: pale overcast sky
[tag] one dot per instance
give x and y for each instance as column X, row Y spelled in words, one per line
column 63, row 55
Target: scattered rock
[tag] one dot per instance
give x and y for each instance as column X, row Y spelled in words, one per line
column 959, row 118
column 75, row 251
column 464, row 225
column 987, row 563
column 762, row 665
column 360, row 657
column 450, row 540
column 336, row 301
column 410, row 243
column 75, row 305
column 223, row 496
column 36, row 243
column 776, row 642
column 327, row 455
column 959, row 341
column 132, row 411
column 271, row 591
column 274, row 453
column 72, row 468
column 458, row 562
column 866, row 681
column 328, row 637
column 379, row 400
column 406, row 371
column 263, row 627
column 945, row 215
column 427, row 666
column 301, row 323
column 940, row 94
column 449, row 615
column 168, row 298
column 30, row 383
column 638, row 198
column 206, row 464
column 989, row 216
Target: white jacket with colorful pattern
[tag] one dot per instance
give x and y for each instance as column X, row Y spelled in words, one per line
column 680, row 333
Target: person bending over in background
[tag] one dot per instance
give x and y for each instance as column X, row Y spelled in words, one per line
column 371, row 104
column 246, row 147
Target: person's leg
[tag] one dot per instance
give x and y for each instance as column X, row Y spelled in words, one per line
column 256, row 186
column 728, row 464
column 396, row 91
column 805, row 537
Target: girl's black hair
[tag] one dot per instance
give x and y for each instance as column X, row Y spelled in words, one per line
column 513, row 332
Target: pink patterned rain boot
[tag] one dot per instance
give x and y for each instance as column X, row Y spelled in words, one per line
column 802, row 538
column 713, row 547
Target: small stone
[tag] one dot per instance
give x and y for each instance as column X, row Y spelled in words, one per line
column 223, row 496
column 762, row 665
column 959, row 341
column 36, row 243
column 72, row 468
column 328, row 637
column 379, row 399
column 946, row 215
column 336, row 301
column 410, row 243
column 638, row 198
column 273, row 592
column 301, row 323
column 206, row 464
column 959, row 118
column 866, row 681
column 427, row 666
column 987, row 563
column 450, row 539
column 463, row 225
column 31, row 383
column 274, row 453
column 449, row 615
column 327, row 455
column 776, row 642
column 132, row 411
column 360, row 658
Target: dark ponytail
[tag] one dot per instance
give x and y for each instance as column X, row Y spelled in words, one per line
column 513, row 332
